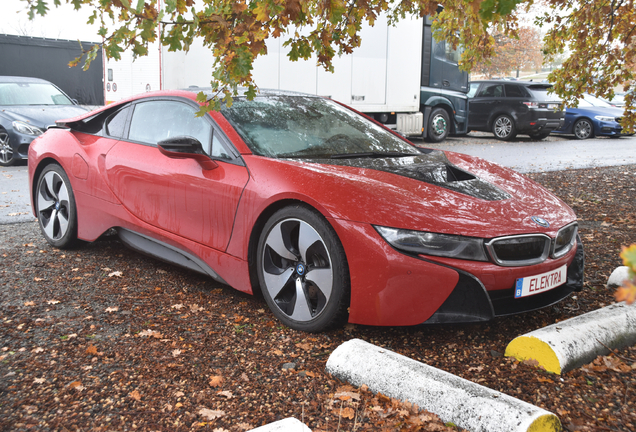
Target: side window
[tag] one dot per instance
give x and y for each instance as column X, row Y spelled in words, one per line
column 154, row 121
column 116, row 123
column 493, row 90
column 473, row 89
column 513, row 90
column 218, row 149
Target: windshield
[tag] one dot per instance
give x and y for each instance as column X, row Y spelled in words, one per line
column 589, row 100
column 32, row 94
column 286, row 126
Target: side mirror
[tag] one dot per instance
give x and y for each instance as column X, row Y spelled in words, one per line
column 186, row 147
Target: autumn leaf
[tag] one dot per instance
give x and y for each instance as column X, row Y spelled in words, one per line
column 77, row 385
column 52, row 302
column 226, row 394
column 177, row 306
column 176, row 352
column 215, row 381
column 135, row 395
column 112, row 309
column 348, row 413
column 29, row 303
column 115, row 274
column 211, row 414
column 305, row 346
column 151, row 333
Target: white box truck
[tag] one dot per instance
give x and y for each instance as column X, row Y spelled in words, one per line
column 399, row 75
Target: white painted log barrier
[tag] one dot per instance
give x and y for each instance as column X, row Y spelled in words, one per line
column 289, row 424
column 568, row 344
column 454, row 399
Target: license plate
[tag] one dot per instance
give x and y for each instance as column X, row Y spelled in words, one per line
column 543, row 282
column 554, row 105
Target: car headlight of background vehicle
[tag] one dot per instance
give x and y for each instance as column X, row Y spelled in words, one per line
column 427, row 243
column 605, row 118
column 26, row 128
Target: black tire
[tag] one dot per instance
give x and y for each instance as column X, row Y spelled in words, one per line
column 540, row 136
column 504, row 128
column 438, row 125
column 583, row 129
column 7, row 155
column 55, row 207
column 299, row 253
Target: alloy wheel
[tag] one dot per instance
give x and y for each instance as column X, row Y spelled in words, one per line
column 297, row 270
column 503, row 127
column 6, row 151
column 583, row 129
column 53, row 205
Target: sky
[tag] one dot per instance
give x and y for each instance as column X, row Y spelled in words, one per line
column 59, row 23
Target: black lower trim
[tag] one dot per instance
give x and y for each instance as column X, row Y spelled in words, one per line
column 165, row 252
column 470, row 302
column 467, row 303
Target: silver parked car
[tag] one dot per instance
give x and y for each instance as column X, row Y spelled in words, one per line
column 28, row 106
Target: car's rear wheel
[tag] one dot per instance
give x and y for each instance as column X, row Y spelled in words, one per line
column 583, row 129
column 438, row 125
column 7, row 156
column 302, row 270
column 504, row 128
column 56, row 209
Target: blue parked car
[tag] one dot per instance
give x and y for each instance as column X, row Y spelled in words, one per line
column 593, row 117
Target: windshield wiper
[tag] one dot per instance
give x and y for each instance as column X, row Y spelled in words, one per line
column 372, row 155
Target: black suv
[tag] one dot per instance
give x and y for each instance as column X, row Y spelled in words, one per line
column 510, row 108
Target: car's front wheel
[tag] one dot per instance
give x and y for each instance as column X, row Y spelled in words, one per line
column 7, row 156
column 56, row 209
column 504, row 128
column 302, row 270
column 583, row 129
column 438, row 125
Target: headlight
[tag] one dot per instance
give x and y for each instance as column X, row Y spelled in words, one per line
column 427, row 243
column 605, row 118
column 565, row 239
column 26, row 128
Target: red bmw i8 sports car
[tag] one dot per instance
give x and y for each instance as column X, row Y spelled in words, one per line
column 331, row 216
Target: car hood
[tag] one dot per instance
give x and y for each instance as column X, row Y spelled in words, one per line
column 592, row 111
column 424, row 193
column 41, row 116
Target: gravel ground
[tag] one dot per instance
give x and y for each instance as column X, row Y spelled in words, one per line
column 102, row 338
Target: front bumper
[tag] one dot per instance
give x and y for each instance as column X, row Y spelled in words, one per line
column 471, row 302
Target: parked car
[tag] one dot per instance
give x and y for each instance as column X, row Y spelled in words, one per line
column 593, row 117
column 331, row 216
column 511, row 108
column 27, row 107
column 617, row 101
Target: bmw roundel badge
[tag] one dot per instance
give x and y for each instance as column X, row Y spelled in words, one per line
column 300, row 269
column 540, row 221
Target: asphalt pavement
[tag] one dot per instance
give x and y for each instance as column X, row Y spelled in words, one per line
column 554, row 153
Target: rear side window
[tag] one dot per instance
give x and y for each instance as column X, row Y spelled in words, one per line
column 116, row 123
column 513, row 90
column 491, row 90
column 540, row 93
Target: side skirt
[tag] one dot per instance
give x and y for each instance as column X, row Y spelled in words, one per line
column 165, row 252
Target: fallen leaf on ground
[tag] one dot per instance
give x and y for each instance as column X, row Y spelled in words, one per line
column 211, row 414
column 216, row 381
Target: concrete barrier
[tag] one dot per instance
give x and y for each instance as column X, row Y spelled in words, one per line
column 454, row 399
column 285, row 425
column 577, row 341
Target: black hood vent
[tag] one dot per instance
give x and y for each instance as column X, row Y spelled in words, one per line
column 433, row 168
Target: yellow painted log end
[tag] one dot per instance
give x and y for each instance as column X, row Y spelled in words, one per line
column 530, row 348
column 546, row 423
